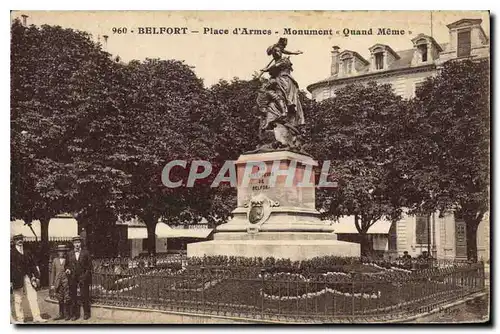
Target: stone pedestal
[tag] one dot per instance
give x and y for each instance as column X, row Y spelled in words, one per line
column 275, row 215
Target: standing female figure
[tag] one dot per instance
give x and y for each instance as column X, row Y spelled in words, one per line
column 282, row 82
column 278, row 99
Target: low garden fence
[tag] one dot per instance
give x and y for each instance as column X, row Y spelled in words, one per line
column 319, row 290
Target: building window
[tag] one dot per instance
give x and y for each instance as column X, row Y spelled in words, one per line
column 347, row 66
column 418, row 84
column 422, row 48
column 393, row 238
column 463, row 44
column 379, row 60
column 422, row 229
column 326, row 93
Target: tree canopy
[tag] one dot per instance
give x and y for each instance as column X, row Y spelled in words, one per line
column 447, row 154
column 354, row 131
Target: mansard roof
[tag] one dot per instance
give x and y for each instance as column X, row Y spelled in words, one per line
column 402, row 61
column 467, row 23
column 355, row 54
column 433, row 41
column 384, row 46
column 464, row 22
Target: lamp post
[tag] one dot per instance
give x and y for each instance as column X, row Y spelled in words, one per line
column 25, row 19
column 433, row 238
column 434, row 249
column 429, row 234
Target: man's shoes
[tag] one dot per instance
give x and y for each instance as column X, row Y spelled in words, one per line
column 74, row 318
column 39, row 320
column 67, row 312
column 60, row 317
column 86, row 317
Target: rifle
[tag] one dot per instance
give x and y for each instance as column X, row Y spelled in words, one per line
column 262, row 72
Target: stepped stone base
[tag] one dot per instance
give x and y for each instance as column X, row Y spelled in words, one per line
column 276, row 236
column 294, row 250
column 275, row 214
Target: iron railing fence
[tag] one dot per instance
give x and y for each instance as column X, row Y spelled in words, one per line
column 274, row 293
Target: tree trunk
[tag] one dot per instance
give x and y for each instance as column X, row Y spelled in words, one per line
column 151, row 227
column 366, row 245
column 44, row 255
column 83, row 224
column 471, row 236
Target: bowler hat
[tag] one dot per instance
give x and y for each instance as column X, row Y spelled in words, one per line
column 18, row 237
column 77, row 238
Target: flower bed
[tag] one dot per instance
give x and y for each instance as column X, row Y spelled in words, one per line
column 327, row 285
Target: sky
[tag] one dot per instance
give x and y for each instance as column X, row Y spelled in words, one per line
column 216, row 57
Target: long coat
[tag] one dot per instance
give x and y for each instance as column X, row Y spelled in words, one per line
column 20, row 266
column 81, row 268
column 57, row 268
column 59, row 280
column 80, row 277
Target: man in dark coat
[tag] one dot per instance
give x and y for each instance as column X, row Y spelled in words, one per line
column 24, row 277
column 59, row 283
column 80, row 278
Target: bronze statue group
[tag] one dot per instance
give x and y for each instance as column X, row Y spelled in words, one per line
column 70, row 279
column 278, row 100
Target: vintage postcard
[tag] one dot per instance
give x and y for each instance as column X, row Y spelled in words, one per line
column 286, row 167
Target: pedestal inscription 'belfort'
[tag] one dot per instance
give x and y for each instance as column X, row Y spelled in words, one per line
column 276, row 215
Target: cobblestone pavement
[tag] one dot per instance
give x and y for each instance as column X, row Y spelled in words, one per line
column 473, row 311
column 51, row 310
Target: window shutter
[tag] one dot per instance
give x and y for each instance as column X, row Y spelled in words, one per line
column 421, row 227
column 379, row 60
column 463, row 46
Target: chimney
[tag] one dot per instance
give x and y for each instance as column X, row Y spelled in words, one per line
column 25, row 21
column 335, row 60
column 105, row 41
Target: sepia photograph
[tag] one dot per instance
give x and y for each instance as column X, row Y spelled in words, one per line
column 250, row 167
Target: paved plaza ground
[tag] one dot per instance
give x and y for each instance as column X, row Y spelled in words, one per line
column 100, row 316
column 50, row 311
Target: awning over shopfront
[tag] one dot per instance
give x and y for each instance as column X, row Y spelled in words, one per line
column 165, row 231
column 137, row 232
column 346, row 225
column 60, row 228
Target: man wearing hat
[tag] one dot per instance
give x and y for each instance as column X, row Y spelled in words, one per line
column 78, row 270
column 24, row 275
column 59, row 283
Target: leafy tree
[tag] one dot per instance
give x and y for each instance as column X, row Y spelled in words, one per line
column 235, row 124
column 91, row 136
column 61, row 116
column 235, row 119
column 448, row 151
column 354, row 131
column 166, row 105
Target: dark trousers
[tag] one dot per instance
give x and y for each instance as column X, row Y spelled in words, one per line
column 84, row 299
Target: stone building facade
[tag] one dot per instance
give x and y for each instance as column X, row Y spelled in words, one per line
column 405, row 70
